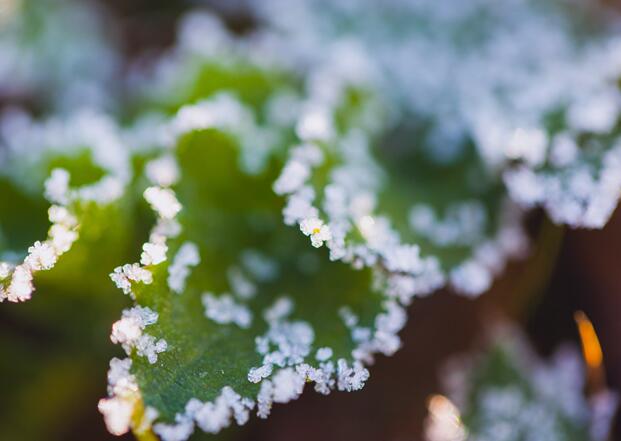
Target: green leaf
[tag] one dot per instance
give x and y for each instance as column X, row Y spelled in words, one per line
column 88, row 217
column 388, row 204
column 508, row 386
column 213, row 324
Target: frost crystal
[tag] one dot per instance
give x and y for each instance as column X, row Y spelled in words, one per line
column 41, row 256
column 163, row 201
column 318, row 232
column 293, row 176
column 350, row 378
column 404, row 258
column 223, row 309
column 147, row 346
column 213, row 417
column 255, row 375
column 57, row 186
column 187, row 257
column 20, row 289
column 323, row 354
column 118, row 409
column 210, row 416
column 315, row 125
column 241, row 285
column 471, row 278
column 153, row 254
column 163, row 171
column 299, row 207
column 117, row 414
column 124, row 276
column 463, row 225
column 260, row 266
column 5, row 270
column 287, row 385
column 291, row 341
column 578, row 195
column 128, row 332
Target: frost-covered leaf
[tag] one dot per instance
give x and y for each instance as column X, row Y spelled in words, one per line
column 508, row 393
column 532, row 82
column 206, row 60
column 377, row 199
column 579, row 182
column 233, row 311
column 56, row 53
column 88, row 171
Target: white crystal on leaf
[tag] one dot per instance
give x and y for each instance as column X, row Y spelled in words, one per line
column 62, row 238
column 211, row 417
column 255, row 375
column 20, row 289
column 525, row 187
column 153, row 253
column 323, row 376
column 529, row 145
column 224, row 310
column 41, row 256
column 163, row 201
column 564, row 150
column 188, row 256
column 315, row 124
column 280, row 309
column 403, row 258
column 260, row 266
column 128, row 331
column 174, row 432
column 124, row 276
column 61, row 215
column 579, row 196
column 597, row 113
column 184, row 423
column 351, row 378
column 387, row 325
column 241, row 285
column 347, row 315
column 323, row 354
column 308, row 153
column 163, row 171
column 201, row 32
column 317, row 230
column 117, row 413
column 299, row 207
column 264, row 399
column 222, row 111
column 297, row 170
column 5, row 270
column 471, row 278
column 464, row 223
column 293, row 176
column 125, row 331
column 165, row 228
column 119, row 378
column 147, row 346
column 287, row 385
column 57, row 186
column 118, row 409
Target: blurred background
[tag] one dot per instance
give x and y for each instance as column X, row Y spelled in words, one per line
column 53, row 363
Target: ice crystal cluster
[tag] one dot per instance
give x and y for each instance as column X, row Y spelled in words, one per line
column 507, row 393
column 303, row 182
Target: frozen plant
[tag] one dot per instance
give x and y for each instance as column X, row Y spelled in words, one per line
column 273, row 200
